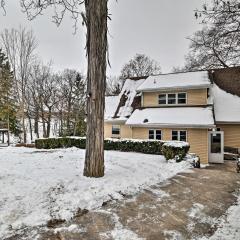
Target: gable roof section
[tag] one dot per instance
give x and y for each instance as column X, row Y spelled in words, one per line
column 187, row 80
column 119, row 108
column 226, row 106
column 227, row 79
column 191, row 117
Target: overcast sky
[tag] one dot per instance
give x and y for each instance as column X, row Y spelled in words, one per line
column 157, row 28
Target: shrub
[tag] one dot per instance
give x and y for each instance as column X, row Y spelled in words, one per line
column 125, row 145
column 177, row 150
column 169, row 149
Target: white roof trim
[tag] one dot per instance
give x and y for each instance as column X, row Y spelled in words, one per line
column 172, row 126
column 176, row 88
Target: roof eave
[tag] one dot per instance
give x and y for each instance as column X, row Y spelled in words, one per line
column 174, row 88
column 228, row 122
column 160, row 125
column 120, row 121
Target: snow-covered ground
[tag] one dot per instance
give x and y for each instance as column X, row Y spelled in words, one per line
column 38, row 185
column 228, row 225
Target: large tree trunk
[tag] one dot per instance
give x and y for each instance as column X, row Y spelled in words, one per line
column 96, row 21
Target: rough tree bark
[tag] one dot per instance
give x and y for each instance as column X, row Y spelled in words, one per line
column 96, row 22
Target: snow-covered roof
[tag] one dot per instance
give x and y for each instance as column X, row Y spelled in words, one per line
column 111, row 104
column 198, row 117
column 188, row 80
column 119, row 108
column 226, row 105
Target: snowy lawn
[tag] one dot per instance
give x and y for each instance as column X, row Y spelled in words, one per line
column 39, row 185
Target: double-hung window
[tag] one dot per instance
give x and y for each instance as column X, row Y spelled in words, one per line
column 182, row 98
column 155, row 134
column 179, row 135
column 172, row 98
column 162, row 99
column 115, row 130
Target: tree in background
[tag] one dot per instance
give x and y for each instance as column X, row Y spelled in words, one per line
column 114, row 86
column 73, row 103
column 217, row 44
column 95, row 18
column 7, row 102
column 20, row 45
column 140, row 65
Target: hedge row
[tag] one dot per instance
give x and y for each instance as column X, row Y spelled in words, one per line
column 170, row 151
column 149, row 147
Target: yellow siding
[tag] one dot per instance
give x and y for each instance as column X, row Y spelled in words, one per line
column 125, row 131
column 194, row 97
column 231, row 135
column 197, row 138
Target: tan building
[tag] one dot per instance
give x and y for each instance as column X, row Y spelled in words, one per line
column 197, row 107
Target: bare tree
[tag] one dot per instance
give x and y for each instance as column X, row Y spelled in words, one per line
column 140, row 65
column 114, row 86
column 20, row 44
column 95, row 19
column 218, row 43
column 40, row 74
column 73, row 100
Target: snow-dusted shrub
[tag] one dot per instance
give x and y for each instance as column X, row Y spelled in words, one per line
column 125, row 145
column 175, row 150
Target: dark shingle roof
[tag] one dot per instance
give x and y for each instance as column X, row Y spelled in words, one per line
column 227, row 79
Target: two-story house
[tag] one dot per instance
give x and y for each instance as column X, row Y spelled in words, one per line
column 187, row 106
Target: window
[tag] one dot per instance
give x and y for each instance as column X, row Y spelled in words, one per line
column 182, row 98
column 183, row 136
column 151, row 134
column 155, row 134
column 175, row 135
column 162, row 99
column 179, row 135
column 115, row 130
column 172, row 98
column 158, row 134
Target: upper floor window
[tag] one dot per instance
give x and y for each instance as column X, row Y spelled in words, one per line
column 115, row 130
column 162, row 99
column 182, row 98
column 179, row 135
column 155, row 134
column 172, row 98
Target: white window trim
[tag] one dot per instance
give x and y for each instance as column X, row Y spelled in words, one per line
column 178, row 132
column 155, row 134
column 186, row 98
column 116, row 126
column 176, row 97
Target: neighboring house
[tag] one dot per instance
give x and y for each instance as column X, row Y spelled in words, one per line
column 198, row 107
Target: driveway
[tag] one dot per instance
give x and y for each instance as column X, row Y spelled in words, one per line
column 184, row 207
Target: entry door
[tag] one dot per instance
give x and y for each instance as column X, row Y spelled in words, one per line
column 216, row 147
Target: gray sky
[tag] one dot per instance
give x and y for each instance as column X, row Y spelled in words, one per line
column 157, row 28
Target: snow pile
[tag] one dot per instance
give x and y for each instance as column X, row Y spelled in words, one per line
column 39, row 185
column 176, row 144
column 188, row 80
column 226, row 105
column 180, row 116
column 129, row 93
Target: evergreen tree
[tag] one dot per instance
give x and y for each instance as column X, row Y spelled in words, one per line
column 8, row 111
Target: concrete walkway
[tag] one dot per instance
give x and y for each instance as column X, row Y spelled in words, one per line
column 185, row 207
